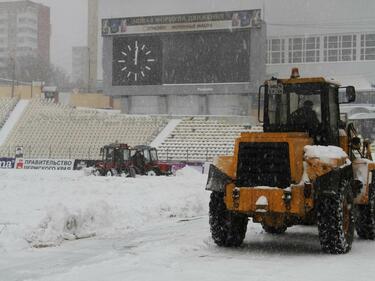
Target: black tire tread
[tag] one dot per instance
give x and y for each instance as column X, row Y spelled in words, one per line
column 330, row 220
column 365, row 221
column 228, row 229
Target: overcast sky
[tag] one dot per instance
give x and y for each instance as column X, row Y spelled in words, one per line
column 69, row 17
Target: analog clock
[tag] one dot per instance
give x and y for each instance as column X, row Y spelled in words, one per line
column 136, row 61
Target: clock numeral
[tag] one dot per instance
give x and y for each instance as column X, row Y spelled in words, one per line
column 125, row 68
column 135, row 76
column 129, row 74
column 149, row 52
column 148, row 68
column 151, row 60
column 130, row 48
column 125, row 54
column 143, row 74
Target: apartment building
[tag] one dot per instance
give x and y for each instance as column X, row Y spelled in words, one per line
column 25, row 30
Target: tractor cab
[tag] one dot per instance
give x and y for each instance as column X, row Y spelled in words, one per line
column 146, row 162
column 309, row 105
column 116, row 160
column 115, row 153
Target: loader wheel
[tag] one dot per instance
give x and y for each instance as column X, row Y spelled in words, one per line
column 365, row 222
column 228, row 229
column 336, row 220
column 273, row 229
column 109, row 173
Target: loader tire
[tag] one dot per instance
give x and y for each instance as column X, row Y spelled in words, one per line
column 273, row 229
column 365, row 221
column 228, row 229
column 335, row 218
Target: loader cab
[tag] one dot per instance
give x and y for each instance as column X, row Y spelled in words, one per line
column 308, row 105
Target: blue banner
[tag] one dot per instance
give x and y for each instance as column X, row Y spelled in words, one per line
column 7, row 163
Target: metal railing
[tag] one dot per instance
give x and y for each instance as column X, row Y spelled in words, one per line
column 93, row 152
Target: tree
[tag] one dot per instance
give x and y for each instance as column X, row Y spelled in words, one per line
column 36, row 68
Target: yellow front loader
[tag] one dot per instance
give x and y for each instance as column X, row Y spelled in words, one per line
column 307, row 167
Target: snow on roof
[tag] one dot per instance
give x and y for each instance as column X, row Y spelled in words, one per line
column 362, row 116
column 353, row 109
column 360, row 83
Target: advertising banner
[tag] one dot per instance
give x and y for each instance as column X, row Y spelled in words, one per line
column 179, row 23
column 45, row 164
column 7, row 163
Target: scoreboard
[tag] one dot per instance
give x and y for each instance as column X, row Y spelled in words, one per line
column 189, row 50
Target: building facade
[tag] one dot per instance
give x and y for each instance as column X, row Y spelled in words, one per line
column 25, row 30
column 346, row 57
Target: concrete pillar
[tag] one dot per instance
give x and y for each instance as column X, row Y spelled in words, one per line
column 92, row 42
column 163, row 104
column 126, row 104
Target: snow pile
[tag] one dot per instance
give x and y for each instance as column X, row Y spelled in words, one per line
column 328, row 152
column 331, row 155
column 62, row 224
column 44, row 208
column 320, row 160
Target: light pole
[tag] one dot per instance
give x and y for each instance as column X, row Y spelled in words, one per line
column 88, row 70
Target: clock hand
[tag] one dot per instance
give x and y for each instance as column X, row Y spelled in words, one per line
column 136, row 53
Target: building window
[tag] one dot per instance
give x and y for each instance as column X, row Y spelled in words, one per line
column 275, row 51
column 368, row 47
column 295, row 50
column 312, row 49
column 340, row 48
column 331, row 48
column 348, row 47
column 304, row 49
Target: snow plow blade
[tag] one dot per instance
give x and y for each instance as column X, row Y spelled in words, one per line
column 217, row 180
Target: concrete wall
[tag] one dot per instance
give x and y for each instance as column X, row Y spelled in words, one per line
column 229, row 104
column 234, row 104
column 185, row 105
column 91, row 100
column 22, row 92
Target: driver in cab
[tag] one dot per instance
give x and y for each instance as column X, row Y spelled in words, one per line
column 306, row 118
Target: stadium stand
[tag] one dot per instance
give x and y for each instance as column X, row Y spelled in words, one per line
column 202, row 138
column 50, row 130
column 55, row 131
column 6, row 106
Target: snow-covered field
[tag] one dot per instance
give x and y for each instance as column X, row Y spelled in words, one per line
column 67, row 226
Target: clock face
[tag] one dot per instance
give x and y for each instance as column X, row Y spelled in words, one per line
column 136, row 61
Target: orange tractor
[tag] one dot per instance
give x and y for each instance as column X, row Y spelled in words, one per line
column 306, row 167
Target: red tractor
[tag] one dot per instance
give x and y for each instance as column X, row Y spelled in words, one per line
column 145, row 161
column 116, row 161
